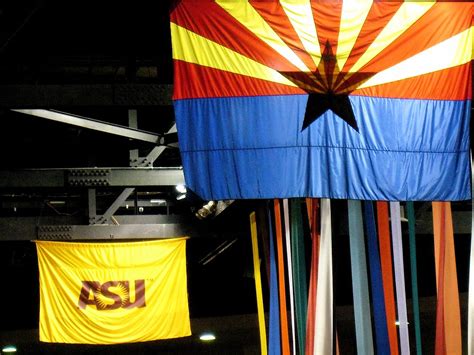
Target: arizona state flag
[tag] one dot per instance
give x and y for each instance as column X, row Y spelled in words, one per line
column 107, row 293
column 339, row 99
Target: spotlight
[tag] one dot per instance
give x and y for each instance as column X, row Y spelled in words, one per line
column 207, row 337
column 9, row 349
column 181, row 189
column 206, row 210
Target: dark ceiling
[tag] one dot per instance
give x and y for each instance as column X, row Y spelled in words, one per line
column 85, row 41
column 101, row 59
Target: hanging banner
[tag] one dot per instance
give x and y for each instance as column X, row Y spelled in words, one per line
column 324, row 319
column 448, row 321
column 399, row 268
column 108, row 293
column 360, row 288
column 365, row 100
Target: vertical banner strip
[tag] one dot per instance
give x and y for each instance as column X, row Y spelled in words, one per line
column 258, row 285
column 414, row 275
column 399, row 277
column 285, row 341
column 286, row 215
column 262, row 231
column 274, row 317
column 452, row 313
column 380, row 320
column 440, row 250
column 470, row 311
column 360, row 288
column 323, row 342
column 299, row 272
column 312, row 207
column 387, row 273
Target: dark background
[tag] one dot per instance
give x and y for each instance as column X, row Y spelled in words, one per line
column 87, row 43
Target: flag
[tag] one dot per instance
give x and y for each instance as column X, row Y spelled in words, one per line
column 336, row 99
column 108, row 293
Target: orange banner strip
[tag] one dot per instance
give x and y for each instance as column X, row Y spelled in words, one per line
column 387, row 273
column 312, row 207
column 448, row 317
column 285, row 340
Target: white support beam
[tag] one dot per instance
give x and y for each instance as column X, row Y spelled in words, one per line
column 96, row 125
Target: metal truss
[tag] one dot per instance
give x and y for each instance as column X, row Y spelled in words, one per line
column 141, row 173
column 70, row 228
column 49, row 95
column 91, row 177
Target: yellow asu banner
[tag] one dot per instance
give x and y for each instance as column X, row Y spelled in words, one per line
column 108, row 293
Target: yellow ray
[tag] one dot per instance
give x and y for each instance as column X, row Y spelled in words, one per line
column 300, row 14
column 193, row 48
column 353, row 17
column 451, row 52
column 405, row 17
column 244, row 13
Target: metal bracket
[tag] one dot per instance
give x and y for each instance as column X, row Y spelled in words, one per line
column 56, row 232
column 88, row 177
column 141, row 162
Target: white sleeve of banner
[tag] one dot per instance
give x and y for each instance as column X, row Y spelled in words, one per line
column 286, row 216
column 399, row 277
column 323, row 343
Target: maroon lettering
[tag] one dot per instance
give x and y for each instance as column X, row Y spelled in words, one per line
column 88, row 288
column 93, row 293
column 139, row 299
column 105, row 291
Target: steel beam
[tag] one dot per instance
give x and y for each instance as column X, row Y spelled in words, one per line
column 125, row 231
column 71, row 228
column 133, row 123
column 153, row 155
column 91, row 205
column 115, row 205
column 91, row 177
column 93, row 124
column 45, row 96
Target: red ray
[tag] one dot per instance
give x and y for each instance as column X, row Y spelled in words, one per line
column 379, row 15
column 223, row 84
column 427, row 86
column 327, row 16
column 275, row 16
column 437, row 25
column 209, row 20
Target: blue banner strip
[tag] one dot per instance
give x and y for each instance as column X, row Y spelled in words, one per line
column 380, row 319
column 274, row 347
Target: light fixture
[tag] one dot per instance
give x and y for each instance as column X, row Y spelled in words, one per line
column 181, row 188
column 181, row 196
column 9, row 349
column 206, row 210
column 207, row 337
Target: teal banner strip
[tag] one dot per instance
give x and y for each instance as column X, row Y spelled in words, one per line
column 414, row 275
column 299, row 272
column 360, row 288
